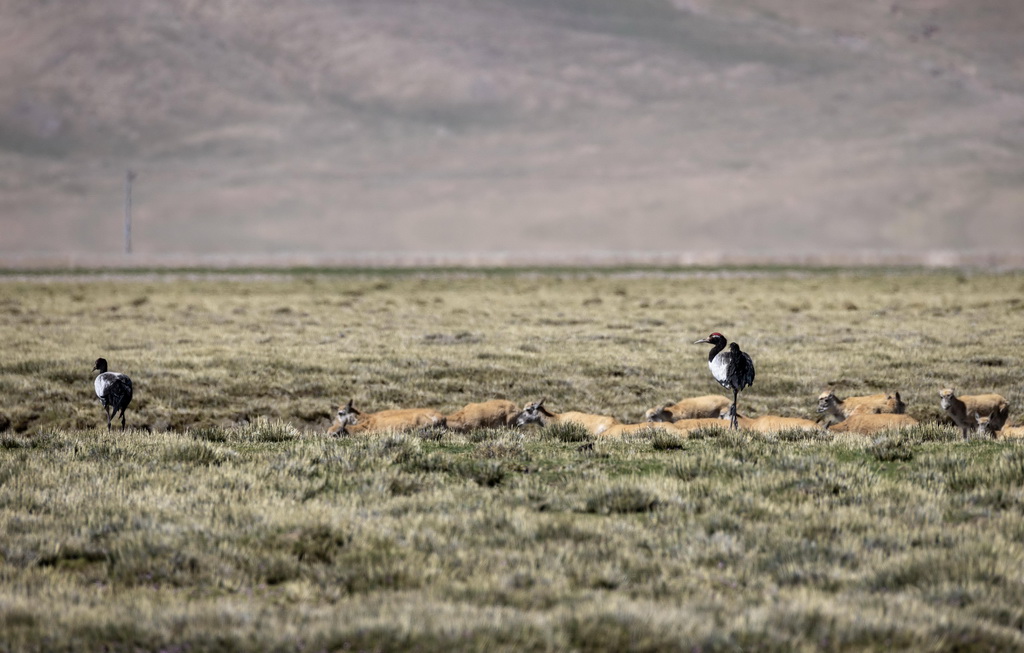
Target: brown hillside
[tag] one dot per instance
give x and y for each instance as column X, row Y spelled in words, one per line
column 512, row 125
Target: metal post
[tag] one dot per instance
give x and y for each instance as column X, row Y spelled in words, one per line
column 128, row 177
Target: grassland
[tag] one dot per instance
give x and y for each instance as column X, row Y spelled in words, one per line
column 226, row 520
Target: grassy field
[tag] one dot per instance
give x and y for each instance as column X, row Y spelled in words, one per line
column 224, row 518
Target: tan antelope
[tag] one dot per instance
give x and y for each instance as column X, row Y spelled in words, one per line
column 483, row 415
column 840, row 409
column 700, row 422
column 535, row 413
column 985, row 429
column 870, row 423
column 349, row 420
column 963, row 410
column 775, row 423
column 689, row 408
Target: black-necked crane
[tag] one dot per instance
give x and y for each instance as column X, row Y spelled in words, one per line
column 733, row 369
column 114, row 390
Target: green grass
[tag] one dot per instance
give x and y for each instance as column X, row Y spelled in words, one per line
column 227, row 520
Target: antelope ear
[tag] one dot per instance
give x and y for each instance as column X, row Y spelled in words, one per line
column 348, row 406
column 897, row 395
column 541, row 402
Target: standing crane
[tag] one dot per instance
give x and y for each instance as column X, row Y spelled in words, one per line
column 114, row 390
column 733, row 369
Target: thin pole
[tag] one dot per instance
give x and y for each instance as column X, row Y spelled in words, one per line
column 128, row 178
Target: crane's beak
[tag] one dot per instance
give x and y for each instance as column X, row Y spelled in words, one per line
column 697, row 342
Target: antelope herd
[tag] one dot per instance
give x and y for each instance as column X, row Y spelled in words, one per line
column 734, row 370
column 985, row 415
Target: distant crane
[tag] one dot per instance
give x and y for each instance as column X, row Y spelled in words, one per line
column 114, row 390
column 733, row 369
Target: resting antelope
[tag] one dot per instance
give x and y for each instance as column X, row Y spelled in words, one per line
column 830, row 404
column 870, row 423
column 483, row 415
column 985, row 429
column 535, row 413
column 775, row 423
column 690, row 408
column 963, row 410
column 349, row 420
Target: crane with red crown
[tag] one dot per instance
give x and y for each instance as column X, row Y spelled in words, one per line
column 733, row 369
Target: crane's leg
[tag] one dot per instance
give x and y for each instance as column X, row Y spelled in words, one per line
column 734, row 422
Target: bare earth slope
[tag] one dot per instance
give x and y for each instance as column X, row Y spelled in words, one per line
column 785, row 126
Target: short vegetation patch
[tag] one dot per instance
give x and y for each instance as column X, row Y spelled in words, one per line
column 892, row 448
column 198, row 453
column 567, row 432
column 263, row 429
column 625, row 499
column 662, row 440
column 486, row 473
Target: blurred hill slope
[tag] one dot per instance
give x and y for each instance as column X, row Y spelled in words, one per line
column 512, row 125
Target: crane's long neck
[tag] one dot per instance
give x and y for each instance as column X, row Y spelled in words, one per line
column 716, row 350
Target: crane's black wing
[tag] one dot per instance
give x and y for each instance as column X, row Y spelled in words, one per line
column 117, row 392
column 740, row 369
